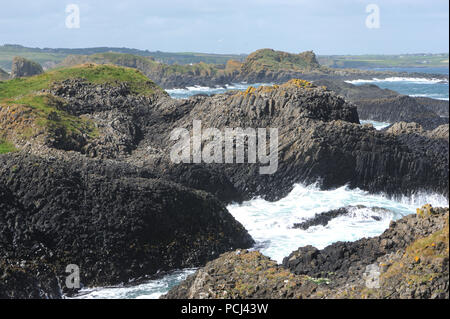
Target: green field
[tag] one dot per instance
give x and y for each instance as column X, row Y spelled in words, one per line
column 6, row 147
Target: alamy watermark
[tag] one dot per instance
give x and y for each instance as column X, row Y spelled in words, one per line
column 73, row 279
column 226, row 146
column 373, row 19
column 73, row 16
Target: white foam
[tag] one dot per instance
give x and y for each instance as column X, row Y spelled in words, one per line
column 192, row 90
column 271, row 224
column 432, row 96
column 377, row 125
column 152, row 289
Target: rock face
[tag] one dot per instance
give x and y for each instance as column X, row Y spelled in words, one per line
column 114, row 221
column 324, row 218
column 347, row 261
column 242, row 275
column 320, row 139
column 384, row 105
column 3, row 75
column 22, row 67
column 409, row 260
column 97, row 187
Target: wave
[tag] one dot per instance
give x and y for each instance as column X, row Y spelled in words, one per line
column 432, row 96
column 270, row 223
column 152, row 289
column 377, row 125
column 197, row 89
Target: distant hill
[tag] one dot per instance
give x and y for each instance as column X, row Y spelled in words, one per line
column 261, row 66
column 48, row 57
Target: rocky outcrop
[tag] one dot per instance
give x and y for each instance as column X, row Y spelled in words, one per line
column 409, row 260
column 243, row 274
column 345, row 262
column 101, row 191
column 385, row 105
column 3, row 75
column 400, row 108
column 22, row 67
column 322, row 219
column 320, row 139
column 440, row 107
column 114, row 221
column 440, row 132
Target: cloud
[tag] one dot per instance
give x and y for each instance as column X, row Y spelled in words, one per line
column 326, row 26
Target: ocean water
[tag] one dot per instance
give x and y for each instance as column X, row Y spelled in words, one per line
column 432, row 88
column 152, row 289
column 377, row 125
column 271, row 223
column 194, row 90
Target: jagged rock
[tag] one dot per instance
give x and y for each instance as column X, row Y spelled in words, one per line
column 409, row 260
column 113, row 220
column 24, row 280
column 385, row 105
column 440, row 107
column 440, row 132
column 319, row 139
column 3, row 75
column 22, row 67
column 324, row 218
column 346, row 261
column 242, row 275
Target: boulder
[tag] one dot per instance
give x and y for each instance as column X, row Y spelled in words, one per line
column 22, row 67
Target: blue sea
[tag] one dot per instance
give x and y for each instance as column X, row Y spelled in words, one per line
column 270, row 223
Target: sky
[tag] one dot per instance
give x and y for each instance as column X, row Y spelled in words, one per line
column 231, row 26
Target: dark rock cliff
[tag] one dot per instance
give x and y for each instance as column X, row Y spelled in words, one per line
column 320, row 139
column 114, row 221
column 385, row 105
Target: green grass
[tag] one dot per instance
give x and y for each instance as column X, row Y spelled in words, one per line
column 145, row 64
column 268, row 59
column 96, row 74
column 6, row 147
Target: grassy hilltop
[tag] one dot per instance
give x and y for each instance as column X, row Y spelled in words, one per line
column 28, row 110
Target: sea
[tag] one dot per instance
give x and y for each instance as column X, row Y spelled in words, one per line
column 271, row 223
